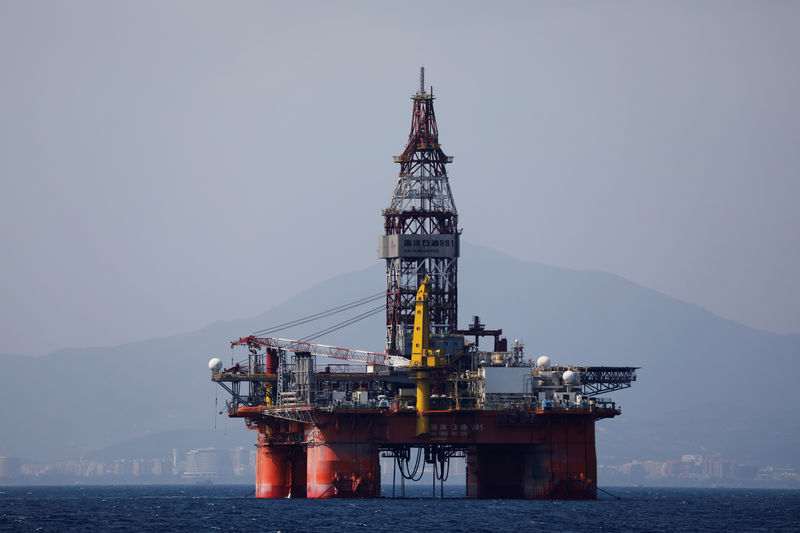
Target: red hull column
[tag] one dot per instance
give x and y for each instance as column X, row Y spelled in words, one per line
column 340, row 465
column 572, row 457
column 272, row 471
column 565, row 466
column 280, row 470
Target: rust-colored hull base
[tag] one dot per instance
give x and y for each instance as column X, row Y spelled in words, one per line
column 544, row 455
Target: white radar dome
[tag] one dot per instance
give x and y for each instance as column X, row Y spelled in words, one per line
column 543, row 362
column 570, row 377
column 215, row 364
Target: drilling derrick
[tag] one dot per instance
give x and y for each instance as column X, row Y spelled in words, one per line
column 421, row 237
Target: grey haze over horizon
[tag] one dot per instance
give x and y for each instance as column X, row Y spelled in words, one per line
column 167, row 165
column 465, row 314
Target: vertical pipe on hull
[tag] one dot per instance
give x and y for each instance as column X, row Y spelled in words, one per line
column 423, row 402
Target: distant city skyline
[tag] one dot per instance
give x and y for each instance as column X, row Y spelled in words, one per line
column 236, row 466
column 165, row 166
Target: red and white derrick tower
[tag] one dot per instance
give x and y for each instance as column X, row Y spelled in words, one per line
column 421, row 236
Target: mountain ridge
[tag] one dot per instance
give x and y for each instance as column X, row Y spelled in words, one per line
column 101, row 397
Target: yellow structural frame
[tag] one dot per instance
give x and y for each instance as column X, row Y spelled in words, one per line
column 423, row 359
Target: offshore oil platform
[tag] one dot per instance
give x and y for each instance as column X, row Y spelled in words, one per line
column 526, row 429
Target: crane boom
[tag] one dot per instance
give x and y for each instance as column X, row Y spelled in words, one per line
column 335, row 352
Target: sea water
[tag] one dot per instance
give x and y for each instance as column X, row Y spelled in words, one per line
column 232, row 508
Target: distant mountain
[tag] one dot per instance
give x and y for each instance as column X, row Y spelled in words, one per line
column 707, row 385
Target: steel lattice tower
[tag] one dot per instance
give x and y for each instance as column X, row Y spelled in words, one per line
column 421, row 236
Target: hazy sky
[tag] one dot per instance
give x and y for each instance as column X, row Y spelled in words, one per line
column 168, row 164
